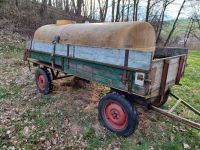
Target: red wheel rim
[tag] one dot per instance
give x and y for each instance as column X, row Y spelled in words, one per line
column 41, row 81
column 115, row 115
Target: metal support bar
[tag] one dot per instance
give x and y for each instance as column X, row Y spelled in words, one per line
column 178, row 118
column 176, row 104
column 186, row 104
column 63, row 77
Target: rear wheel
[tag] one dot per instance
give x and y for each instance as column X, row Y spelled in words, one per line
column 117, row 114
column 43, row 81
column 156, row 101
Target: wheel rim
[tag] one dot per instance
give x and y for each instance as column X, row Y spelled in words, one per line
column 41, row 81
column 115, row 116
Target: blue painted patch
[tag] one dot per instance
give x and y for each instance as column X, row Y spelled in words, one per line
column 136, row 60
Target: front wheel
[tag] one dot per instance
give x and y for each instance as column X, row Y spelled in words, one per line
column 117, row 114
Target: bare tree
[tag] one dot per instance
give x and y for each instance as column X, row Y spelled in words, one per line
column 16, row 3
column 117, row 16
column 79, row 7
column 128, row 10
column 161, row 19
column 43, row 8
column 103, row 7
column 188, row 31
column 122, row 10
column 113, row 10
column 147, row 10
column 135, row 10
column 174, row 24
column 67, row 6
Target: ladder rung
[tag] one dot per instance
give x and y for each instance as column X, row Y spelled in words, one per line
column 175, row 105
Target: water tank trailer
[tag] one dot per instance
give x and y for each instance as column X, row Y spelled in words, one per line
column 120, row 55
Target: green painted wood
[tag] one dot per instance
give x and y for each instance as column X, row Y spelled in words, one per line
column 107, row 75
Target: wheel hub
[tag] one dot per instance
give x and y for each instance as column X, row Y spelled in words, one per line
column 41, row 81
column 115, row 115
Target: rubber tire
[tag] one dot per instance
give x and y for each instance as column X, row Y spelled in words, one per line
column 156, row 100
column 48, row 86
column 130, row 110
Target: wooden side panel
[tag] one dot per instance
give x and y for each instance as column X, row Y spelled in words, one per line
column 107, row 75
column 136, row 59
column 169, row 52
column 156, row 74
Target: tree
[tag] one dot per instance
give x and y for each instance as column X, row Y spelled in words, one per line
column 147, row 10
column 50, row 3
column 135, row 10
column 122, row 10
column 117, row 16
column 174, row 24
column 113, row 10
column 43, row 8
column 79, row 6
column 128, row 10
column 103, row 9
column 161, row 20
column 188, row 31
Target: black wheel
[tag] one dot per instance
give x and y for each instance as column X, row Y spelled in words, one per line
column 156, row 100
column 43, row 81
column 117, row 114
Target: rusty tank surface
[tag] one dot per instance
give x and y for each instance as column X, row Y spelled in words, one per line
column 124, row 35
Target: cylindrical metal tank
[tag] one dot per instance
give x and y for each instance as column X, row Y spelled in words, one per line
column 120, row 35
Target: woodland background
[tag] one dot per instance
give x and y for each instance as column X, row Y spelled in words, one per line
column 183, row 29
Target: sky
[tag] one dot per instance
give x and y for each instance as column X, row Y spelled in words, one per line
column 171, row 12
column 172, row 9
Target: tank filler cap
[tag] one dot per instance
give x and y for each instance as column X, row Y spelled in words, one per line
column 63, row 22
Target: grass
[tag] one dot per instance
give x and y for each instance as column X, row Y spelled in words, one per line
column 181, row 27
column 61, row 116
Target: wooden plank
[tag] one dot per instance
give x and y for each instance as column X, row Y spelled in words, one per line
column 137, row 59
column 169, row 52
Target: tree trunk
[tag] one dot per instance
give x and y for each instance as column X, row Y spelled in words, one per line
column 122, row 12
column 90, row 9
column 113, row 10
column 117, row 12
column 93, row 10
column 128, row 11
column 16, row 3
column 147, row 10
column 50, row 4
column 135, row 10
column 67, row 6
column 160, row 25
column 43, row 8
column 187, row 34
column 79, row 7
column 106, row 9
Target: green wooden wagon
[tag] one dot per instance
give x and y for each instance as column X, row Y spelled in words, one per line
column 121, row 56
